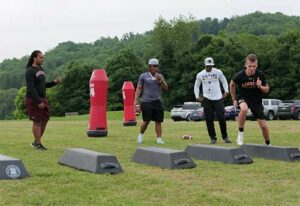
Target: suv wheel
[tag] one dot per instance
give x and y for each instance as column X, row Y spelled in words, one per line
column 270, row 115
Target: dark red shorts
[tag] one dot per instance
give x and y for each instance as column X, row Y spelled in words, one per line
column 34, row 112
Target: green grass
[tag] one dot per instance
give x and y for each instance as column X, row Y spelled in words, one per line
column 265, row 182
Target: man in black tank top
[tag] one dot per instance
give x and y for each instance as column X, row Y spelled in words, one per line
column 252, row 85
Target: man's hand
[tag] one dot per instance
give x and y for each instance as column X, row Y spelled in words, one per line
column 258, row 83
column 200, row 99
column 41, row 105
column 137, row 108
column 225, row 95
column 158, row 78
column 57, row 80
column 136, row 102
column 235, row 105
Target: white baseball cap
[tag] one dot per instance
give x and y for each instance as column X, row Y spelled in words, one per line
column 153, row 61
column 209, row 61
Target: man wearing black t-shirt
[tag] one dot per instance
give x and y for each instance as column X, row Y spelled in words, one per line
column 252, row 84
column 37, row 105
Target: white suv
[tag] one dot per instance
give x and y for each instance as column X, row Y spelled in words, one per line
column 270, row 109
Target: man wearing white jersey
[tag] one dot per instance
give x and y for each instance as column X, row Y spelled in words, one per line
column 213, row 98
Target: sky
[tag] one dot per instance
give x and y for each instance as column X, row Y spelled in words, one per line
column 43, row 24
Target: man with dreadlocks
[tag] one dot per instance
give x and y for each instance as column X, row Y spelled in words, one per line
column 37, row 106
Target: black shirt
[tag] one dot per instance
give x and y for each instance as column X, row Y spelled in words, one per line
column 247, row 85
column 36, row 83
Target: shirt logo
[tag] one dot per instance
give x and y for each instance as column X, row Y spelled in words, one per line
column 209, row 77
column 249, row 85
column 39, row 73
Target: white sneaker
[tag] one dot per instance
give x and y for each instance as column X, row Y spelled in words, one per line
column 159, row 141
column 140, row 139
column 240, row 138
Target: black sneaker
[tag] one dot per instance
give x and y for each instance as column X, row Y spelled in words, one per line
column 213, row 140
column 40, row 147
column 227, row 140
column 33, row 144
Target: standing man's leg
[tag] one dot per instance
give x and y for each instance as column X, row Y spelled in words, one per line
column 43, row 127
column 146, row 113
column 158, row 117
column 241, row 122
column 45, row 117
column 158, row 130
column 143, row 128
column 209, row 119
column 37, row 131
column 220, row 111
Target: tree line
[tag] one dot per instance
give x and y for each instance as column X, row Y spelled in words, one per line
column 180, row 44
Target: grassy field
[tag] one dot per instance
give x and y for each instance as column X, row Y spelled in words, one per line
column 265, row 182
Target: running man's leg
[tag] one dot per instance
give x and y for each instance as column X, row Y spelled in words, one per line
column 242, row 114
column 241, row 121
column 258, row 111
column 264, row 129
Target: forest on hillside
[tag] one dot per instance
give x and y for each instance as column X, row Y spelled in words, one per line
column 180, row 44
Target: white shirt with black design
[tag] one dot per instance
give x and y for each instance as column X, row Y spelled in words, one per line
column 211, row 84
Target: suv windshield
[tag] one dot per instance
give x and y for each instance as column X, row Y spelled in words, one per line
column 288, row 101
column 191, row 106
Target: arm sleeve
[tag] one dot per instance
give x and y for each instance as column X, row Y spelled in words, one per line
column 29, row 76
column 50, row 84
column 235, row 78
column 197, row 86
column 141, row 81
column 224, row 82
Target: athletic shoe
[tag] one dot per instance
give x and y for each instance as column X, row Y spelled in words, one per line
column 213, row 140
column 240, row 138
column 33, row 144
column 140, row 139
column 159, row 141
column 40, row 147
column 227, row 140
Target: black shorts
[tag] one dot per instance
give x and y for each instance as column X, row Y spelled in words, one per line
column 152, row 111
column 256, row 108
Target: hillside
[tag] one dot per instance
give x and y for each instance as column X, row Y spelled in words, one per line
column 181, row 45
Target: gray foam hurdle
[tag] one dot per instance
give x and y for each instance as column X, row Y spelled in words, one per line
column 91, row 161
column 231, row 155
column 272, row 152
column 164, row 158
column 11, row 168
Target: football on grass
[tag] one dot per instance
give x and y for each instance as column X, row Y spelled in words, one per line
column 186, row 136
